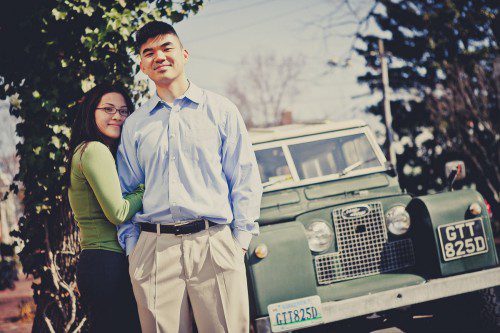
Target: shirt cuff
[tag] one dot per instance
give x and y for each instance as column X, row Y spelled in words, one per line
column 243, row 238
column 130, row 243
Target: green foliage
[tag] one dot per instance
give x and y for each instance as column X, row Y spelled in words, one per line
column 437, row 49
column 52, row 52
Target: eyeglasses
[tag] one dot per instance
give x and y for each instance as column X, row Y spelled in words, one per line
column 113, row 110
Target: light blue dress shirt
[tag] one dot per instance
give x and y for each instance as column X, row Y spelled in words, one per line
column 195, row 158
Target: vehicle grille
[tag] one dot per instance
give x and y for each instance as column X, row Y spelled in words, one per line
column 363, row 249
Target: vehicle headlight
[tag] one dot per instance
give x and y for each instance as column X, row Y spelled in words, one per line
column 397, row 220
column 319, row 236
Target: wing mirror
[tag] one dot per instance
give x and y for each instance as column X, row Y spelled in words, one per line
column 391, row 169
column 454, row 170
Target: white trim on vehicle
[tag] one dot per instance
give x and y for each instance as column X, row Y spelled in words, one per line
column 271, row 134
column 396, row 298
column 284, row 143
column 291, row 165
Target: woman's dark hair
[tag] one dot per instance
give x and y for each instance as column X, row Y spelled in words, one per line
column 85, row 128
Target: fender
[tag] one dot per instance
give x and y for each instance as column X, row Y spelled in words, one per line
column 428, row 213
column 286, row 273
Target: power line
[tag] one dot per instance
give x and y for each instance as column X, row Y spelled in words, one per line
column 219, row 1
column 279, row 16
column 221, row 61
column 235, row 9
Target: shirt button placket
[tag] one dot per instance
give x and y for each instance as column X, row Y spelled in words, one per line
column 173, row 126
column 174, row 160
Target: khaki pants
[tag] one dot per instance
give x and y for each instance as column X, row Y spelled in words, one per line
column 202, row 275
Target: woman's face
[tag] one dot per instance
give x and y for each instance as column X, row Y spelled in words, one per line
column 110, row 114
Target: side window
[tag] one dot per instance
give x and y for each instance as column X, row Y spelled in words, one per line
column 272, row 164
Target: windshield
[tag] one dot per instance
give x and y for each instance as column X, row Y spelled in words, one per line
column 272, row 165
column 318, row 158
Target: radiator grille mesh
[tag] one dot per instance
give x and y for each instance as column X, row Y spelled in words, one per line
column 363, row 249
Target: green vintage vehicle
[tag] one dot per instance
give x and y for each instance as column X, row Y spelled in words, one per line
column 339, row 238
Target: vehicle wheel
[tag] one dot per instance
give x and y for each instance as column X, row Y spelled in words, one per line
column 478, row 311
column 490, row 309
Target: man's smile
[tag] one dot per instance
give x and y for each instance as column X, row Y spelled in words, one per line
column 163, row 66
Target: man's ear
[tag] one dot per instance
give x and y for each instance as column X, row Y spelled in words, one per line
column 140, row 65
column 185, row 54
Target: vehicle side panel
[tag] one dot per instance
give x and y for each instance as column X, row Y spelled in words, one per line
column 286, row 273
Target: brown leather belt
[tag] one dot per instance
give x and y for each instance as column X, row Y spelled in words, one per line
column 178, row 229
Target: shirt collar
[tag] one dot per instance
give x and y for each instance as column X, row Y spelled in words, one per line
column 193, row 93
column 153, row 103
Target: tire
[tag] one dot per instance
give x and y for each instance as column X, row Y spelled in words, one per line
column 490, row 309
column 478, row 311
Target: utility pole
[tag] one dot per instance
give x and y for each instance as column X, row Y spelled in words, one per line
column 389, row 142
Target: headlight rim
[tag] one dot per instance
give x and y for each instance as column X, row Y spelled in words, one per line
column 389, row 223
column 308, row 232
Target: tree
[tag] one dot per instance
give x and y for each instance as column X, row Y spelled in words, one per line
column 9, row 162
column 441, row 60
column 264, row 85
column 52, row 52
column 464, row 114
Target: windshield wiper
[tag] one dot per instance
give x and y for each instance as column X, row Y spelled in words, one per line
column 277, row 181
column 354, row 166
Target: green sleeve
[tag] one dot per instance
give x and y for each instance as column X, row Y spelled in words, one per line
column 98, row 166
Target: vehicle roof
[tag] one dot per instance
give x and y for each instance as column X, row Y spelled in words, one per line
column 260, row 135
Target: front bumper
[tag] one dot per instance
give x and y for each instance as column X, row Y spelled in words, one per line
column 395, row 298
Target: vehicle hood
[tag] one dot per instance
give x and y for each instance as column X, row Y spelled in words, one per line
column 285, row 205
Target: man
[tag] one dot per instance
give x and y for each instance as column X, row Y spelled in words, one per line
column 190, row 148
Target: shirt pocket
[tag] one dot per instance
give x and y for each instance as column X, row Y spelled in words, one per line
column 201, row 142
column 153, row 143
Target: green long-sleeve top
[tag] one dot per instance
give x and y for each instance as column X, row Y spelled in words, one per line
column 96, row 198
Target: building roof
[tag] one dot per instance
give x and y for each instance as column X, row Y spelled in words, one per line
column 260, row 135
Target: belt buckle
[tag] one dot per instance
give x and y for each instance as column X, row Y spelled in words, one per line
column 178, row 226
column 177, row 231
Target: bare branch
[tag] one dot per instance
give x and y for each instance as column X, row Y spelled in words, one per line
column 337, row 18
column 361, row 23
column 49, row 324
column 80, row 326
column 351, row 9
column 265, row 83
column 461, row 109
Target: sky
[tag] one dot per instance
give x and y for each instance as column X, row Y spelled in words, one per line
column 226, row 31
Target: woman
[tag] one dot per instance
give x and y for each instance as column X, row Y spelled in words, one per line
column 97, row 203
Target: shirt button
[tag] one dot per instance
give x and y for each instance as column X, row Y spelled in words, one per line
column 172, row 135
column 173, row 203
column 173, row 157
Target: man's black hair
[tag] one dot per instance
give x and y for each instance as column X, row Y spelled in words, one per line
column 151, row 30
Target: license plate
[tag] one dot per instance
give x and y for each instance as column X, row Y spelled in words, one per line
column 295, row 314
column 462, row 239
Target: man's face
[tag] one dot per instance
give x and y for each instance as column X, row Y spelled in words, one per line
column 163, row 59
